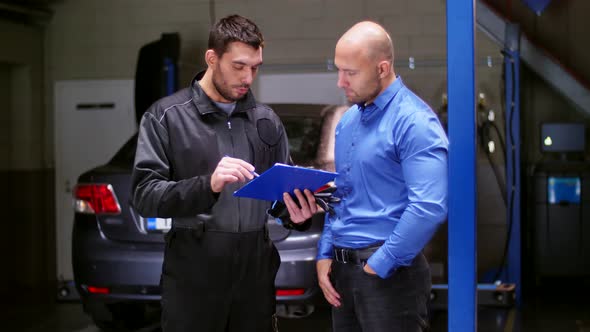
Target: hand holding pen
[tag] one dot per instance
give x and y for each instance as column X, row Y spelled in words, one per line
column 230, row 170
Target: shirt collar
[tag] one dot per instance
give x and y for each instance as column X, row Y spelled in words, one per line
column 386, row 95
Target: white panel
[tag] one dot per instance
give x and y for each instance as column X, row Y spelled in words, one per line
column 300, row 88
column 92, row 121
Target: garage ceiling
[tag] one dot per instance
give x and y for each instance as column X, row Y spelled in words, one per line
column 35, row 3
column 26, row 11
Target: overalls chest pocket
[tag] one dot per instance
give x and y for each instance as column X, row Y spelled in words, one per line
column 264, row 141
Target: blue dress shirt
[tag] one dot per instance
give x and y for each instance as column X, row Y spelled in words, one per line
column 391, row 159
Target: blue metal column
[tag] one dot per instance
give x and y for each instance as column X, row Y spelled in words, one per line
column 462, row 183
column 512, row 88
column 170, row 72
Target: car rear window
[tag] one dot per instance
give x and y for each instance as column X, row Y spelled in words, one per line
column 126, row 154
column 304, row 136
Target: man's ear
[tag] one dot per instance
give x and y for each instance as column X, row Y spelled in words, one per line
column 384, row 69
column 211, row 58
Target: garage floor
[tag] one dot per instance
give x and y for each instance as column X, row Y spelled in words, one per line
column 561, row 309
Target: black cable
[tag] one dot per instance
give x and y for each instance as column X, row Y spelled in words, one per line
column 513, row 184
column 498, row 133
column 497, row 175
column 484, row 139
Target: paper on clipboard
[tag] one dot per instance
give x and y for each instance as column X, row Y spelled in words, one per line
column 281, row 178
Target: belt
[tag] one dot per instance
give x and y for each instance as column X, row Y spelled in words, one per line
column 354, row 256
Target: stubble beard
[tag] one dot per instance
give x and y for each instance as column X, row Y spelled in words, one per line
column 223, row 89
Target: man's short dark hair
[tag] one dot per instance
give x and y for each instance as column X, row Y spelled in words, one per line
column 231, row 29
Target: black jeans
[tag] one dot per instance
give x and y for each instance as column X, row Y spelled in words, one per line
column 371, row 304
column 218, row 282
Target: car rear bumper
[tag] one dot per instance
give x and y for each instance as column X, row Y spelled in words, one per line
column 297, row 272
column 131, row 271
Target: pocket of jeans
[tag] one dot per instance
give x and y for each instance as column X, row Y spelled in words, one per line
column 370, row 275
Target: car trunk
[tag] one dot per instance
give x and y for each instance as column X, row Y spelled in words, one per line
column 126, row 226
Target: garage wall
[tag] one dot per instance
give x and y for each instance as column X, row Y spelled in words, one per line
column 100, row 39
column 22, row 58
column 5, row 97
column 26, row 199
column 94, row 39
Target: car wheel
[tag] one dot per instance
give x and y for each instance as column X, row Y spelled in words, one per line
column 125, row 317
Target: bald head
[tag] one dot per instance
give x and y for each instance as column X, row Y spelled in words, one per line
column 368, row 39
column 364, row 58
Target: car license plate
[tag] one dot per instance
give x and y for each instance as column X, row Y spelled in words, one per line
column 158, row 224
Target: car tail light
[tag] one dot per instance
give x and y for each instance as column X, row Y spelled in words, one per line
column 96, row 199
column 98, row 290
column 290, row 292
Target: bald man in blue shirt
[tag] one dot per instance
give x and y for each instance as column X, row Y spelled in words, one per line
column 391, row 159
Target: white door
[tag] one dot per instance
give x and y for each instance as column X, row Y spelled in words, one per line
column 92, row 121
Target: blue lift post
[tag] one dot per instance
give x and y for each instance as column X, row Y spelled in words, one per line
column 462, row 306
column 512, row 88
column 170, row 72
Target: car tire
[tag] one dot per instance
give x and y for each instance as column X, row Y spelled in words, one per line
column 125, row 317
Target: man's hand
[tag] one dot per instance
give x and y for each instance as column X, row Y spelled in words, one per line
column 324, row 267
column 368, row 269
column 230, row 170
column 307, row 203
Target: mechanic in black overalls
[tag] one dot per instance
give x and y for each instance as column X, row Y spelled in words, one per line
column 195, row 148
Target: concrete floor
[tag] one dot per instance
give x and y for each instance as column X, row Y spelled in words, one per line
column 561, row 309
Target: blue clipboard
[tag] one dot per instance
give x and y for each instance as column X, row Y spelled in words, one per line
column 281, row 178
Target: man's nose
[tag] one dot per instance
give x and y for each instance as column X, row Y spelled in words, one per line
column 248, row 77
column 341, row 81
